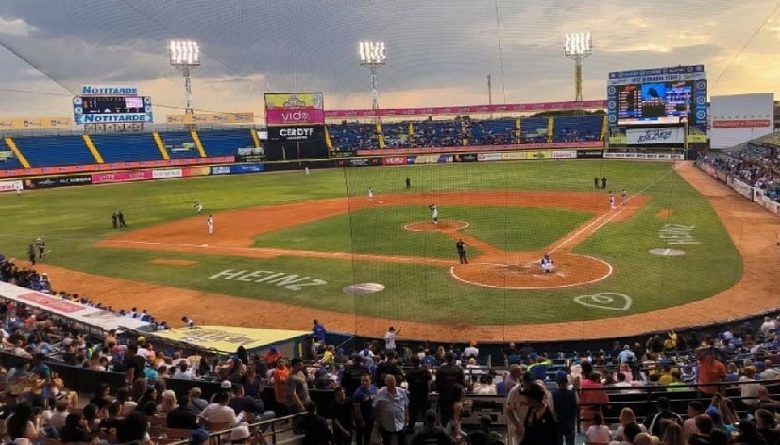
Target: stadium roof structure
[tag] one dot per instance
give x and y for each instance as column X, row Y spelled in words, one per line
column 226, row 339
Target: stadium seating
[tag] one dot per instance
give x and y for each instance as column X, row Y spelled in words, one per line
column 493, row 131
column 222, row 142
column 353, row 136
column 577, row 128
column 533, row 130
column 47, row 151
column 179, row 145
column 8, row 163
column 432, row 133
column 396, row 135
column 127, row 147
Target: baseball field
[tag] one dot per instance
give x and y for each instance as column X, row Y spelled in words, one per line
column 289, row 247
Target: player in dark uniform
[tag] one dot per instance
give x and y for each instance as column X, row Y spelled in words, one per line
column 114, row 222
column 596, row 182
column 31, row 253
column 461, row 246
column 121, row 217
column 408, row 183
column 603, row 182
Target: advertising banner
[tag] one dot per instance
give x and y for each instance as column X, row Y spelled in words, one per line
column 564, row 154
column 396, row 160
column 215, row 118
column 11, row 186
column 590, row 154
column 57, row 181
column 45, row 171
column 294, row 109
column 293, row 134
column 167, row 174
column 740, row 118
column 241, row 169
column 220, row 170
column 645, row 156
column 189, row 172
column 467, row 109
column 104, row 178
column 641, row 136
column 743, row 189
column 547, row 154
column 483, row 157
column 427, row 159
column 467, row 157
column 362, row 162
column 477, row 148
column 19, row 123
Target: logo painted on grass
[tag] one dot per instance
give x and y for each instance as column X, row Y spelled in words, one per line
column 606, row 300
column 363, row 288
column 677, row 234
column 279, row 279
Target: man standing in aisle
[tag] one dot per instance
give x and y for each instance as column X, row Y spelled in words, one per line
column 391, row 406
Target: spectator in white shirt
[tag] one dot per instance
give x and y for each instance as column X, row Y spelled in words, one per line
column 183, row 372
column 57, row 419
column 218, row 411
column 767, row 326
column 598, row 433
column 472, row 350
column 390, row 337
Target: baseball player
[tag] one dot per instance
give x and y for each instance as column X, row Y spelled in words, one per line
column 547, row 264
column 434, row 213
column 210, row 224
column 370, row 194
column 461, row 247
column 198, row 207
column 623, row 197
column 41, row 247
column 611, row 200
column 19, row 190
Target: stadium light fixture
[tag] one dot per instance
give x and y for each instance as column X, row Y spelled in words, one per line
column 578, row 46
column 184, row 55
column 372, row 56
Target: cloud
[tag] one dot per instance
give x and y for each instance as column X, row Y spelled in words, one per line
column 15, row 27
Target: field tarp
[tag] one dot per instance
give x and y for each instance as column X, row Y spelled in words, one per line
column 226, row 339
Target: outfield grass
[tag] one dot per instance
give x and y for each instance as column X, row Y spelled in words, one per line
column 507, row 228
column 73, row 219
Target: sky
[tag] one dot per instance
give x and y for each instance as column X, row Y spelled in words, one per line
column 439, row 52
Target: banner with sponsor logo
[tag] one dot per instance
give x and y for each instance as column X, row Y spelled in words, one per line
column 46, row 171
column 590, row 154
column 58, row 181
column 11, row 186
column 188, row 172
column 138, row 175
column 478, row 148
column 294, row 134
column 212, row 118
column 466, row 157
column 564, row 154
column 362, row 162
column 739, row 118
column 467, row 109
column 167, row 173
column 294, row 109
column 645, row 156
column 227, row 339
column 670, row 136
column 394, row 160
column 743, row 189
column 513, row 155
column 18, row 123
column 246, row 168
column 486, row 157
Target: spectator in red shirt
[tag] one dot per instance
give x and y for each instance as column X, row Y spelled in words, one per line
column 710, row 371
column 591, row 394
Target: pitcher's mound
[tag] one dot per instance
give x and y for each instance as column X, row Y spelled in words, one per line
column 521, row 271
column 429, row 226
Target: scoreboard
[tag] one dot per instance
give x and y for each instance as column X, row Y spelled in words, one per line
column 660, row 96
column 111, row 108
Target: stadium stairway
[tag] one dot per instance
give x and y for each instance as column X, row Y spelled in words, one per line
column 160, row 145
column 179, row 145
column 21, row 161
column 48, row 151
column 93, row 149
column 198, row 144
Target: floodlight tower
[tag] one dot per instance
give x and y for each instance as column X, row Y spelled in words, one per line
column 184, row 55
column 578, row 47
column 372, row 56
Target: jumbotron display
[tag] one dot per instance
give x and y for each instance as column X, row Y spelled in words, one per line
column 103, row 109
column 658, row 96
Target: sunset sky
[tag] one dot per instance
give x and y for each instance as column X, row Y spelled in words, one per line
column 439, row 51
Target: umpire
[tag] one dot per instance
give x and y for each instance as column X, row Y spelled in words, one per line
column 461, row 246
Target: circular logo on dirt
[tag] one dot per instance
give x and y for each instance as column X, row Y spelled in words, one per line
column 363, row 288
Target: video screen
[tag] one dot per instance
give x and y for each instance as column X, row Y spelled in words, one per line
column 112, row 105
column 659, row 102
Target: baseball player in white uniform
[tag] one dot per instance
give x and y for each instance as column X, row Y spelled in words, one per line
column 19, row 190
column 547, row 263
column 198, row 207
column 210, row 224
column 612, row 201
column 370, row 193
column 434, row 213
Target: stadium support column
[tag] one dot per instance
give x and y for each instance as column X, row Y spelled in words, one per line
column 578, row 46
column 184, row 55
column 372, row 56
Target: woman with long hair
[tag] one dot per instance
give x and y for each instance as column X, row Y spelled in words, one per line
column 673, row 435
column 21, row 424
column 459, row 407
column 149, row 395
column 627, row 416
